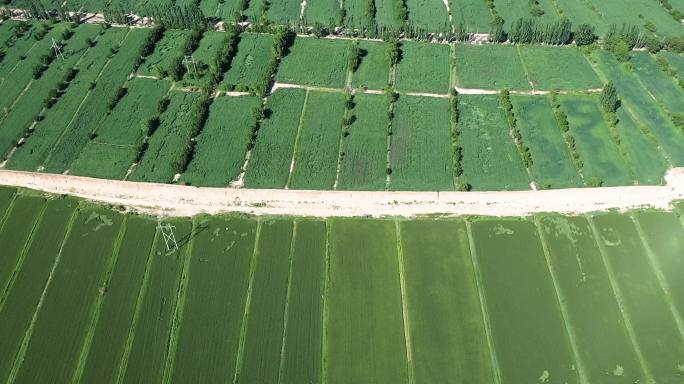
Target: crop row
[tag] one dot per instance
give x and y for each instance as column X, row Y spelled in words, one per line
column 94, row 294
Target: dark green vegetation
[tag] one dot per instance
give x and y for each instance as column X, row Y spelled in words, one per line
column 268, row 109
column 91, row 294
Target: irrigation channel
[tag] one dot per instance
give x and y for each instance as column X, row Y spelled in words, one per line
column 180, row 200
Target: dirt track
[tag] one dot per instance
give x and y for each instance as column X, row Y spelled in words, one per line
column 177, row 200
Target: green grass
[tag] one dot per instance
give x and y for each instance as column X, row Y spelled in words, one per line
column 116, row 315
column 420, row 155
column 645, row 303
column 600, row 155
column 303, row 334
column 638, row 102
column 318, row 144
column 20, row 303
column 163, row 157
column 215, row 301
column 364, row 327
column 166, row 50
column 30, row 155
column 448, row 337
column 15, row 236
column 373, row 71
column 523, row 309
column 65, row 315
column 269, row 165
column 570, row 70
column 662, row 232
column 264, row 332
column 250, row 65
column 551, row 163
column 475, row 68
column 317, row 62
column 364, row 164
column 472, row 14
column 428, row 15
column 89, row 116
column 148, row 353
column 220, row 148
column 658, row 83
column 424, row 67
column 593, row 311
column 676, row 61
column 6, row 197
column 490, row 158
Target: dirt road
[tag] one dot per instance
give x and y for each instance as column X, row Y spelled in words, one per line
column 177, row 200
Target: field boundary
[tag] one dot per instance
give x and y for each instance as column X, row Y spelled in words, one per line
column 404, row 304
column 182, row 201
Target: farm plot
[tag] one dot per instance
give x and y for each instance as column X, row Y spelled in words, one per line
column 204, row 56
column 28, row 105
column 601, row 157
column 490, row 158
column 385, row 13
column 424, row 67
column 373, row 71
column 645, row 303
column 648, row 163
column 474, row 67
column 15, row 235
column 263, row 337
column 86, row 121
column 364, row 164
column 317, row 145
column 65, row 316
column 643, row 107
column 166, row 50
column 659, row 84
column 220, row 149
column 20, row 76
column 364, row 337
column 322, row 11
column 46, row 133
column 447, row 329
column 638, row 13
column 356, row 14
column 317, row 62
column 20, row 303
column 169, row 143
column 147, row 346
column 228, row 9
column 512, row 10
column 551, row 163
column 675, row 60
column 430, row 15
column 214, row 301
column 111, row 153
column 303, row 348
column 420, row 155
column 110, row 334
column 570, row 70
column 593, row 312
column 581, row 11
column 284, row 11
column 473, row 15
column 269, row 164
column 662, row 232
column 513, row 269
column 250, row 65
column 19, row 47
column 6, row 198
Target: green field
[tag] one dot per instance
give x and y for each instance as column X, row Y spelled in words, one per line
column 658, row 83
column 490, row 158
column 569, row 71
column 429, row 15
column 373, row 71
column 423, row 68
column 317, row 62
column 250, row 64
column 95, row 296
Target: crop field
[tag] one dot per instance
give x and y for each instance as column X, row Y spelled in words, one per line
column 473, row 69
column 659, row 84
column 315, row 62
column 420, row 151
column 249, row 66
column 373, row 71
column 489, row 155
column 473, row 15
column 220, row 148
column 423, row 68
column 96, row 296
column 430, row 15
column 166, row 49
column 540, row 131
column 364, row 163
column 570, row 70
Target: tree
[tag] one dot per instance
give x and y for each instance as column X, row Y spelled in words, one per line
column 609, row 98
column 353, row 56
column 392, row 53
column 585, row 35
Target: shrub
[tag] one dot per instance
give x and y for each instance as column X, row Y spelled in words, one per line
column 585, row 35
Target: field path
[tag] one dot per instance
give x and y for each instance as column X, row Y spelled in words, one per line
column 180, row 200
